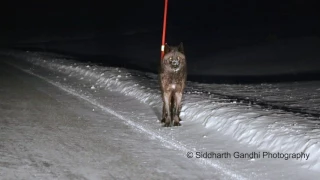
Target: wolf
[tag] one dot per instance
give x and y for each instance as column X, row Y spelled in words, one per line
column 173, row 75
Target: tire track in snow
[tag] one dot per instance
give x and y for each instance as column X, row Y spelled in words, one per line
column 169, row 143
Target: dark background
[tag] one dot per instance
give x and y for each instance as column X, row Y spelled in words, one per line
column 131, row 31
column 286, row 18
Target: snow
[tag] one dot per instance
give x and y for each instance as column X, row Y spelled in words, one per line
column 48, row 134
column 212, row 122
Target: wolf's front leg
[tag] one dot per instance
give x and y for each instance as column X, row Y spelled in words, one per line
column 167, row 100
column 163, row 112
column 176, row 118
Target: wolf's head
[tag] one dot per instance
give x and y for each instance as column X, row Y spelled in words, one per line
column 174, row 57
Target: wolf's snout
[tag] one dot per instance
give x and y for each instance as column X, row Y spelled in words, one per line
column 175, row 62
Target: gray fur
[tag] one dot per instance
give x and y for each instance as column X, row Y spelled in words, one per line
column 173, row 75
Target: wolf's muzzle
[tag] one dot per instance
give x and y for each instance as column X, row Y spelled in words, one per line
column 175, row 63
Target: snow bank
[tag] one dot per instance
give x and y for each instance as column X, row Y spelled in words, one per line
column 268, row 130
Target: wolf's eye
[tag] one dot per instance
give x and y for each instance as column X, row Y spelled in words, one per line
column 178, row 58
column 170, row 58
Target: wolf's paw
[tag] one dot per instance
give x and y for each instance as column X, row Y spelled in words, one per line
column 176, row 120
column 167, row 124
column 163, row 120
column 176, row 124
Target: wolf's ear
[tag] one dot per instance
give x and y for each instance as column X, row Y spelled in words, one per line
column 167, row 48
column 180, row 48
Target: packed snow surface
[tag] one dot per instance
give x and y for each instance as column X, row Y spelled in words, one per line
column 216, row 118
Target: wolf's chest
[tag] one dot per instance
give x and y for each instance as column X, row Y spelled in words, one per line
column 173, row 86
column 172, row 78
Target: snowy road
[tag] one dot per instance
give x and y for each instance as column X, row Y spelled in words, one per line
column 58, row 124
column 46, row 133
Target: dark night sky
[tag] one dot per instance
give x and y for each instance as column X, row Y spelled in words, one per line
column 185, row 18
